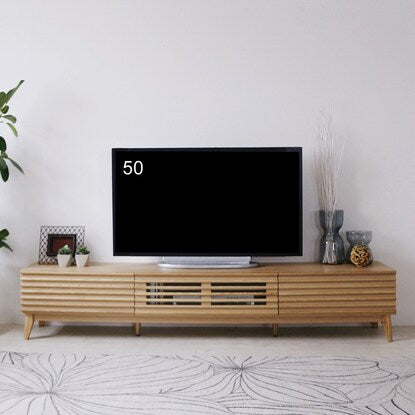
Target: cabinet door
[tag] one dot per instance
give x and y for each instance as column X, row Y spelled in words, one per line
column 337, row 294
column 77, row 294
column 244, row 297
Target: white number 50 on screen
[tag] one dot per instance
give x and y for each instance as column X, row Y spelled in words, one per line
column 136, row 168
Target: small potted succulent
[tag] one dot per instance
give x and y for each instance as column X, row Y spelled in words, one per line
column 82, row 256
column 64, row 256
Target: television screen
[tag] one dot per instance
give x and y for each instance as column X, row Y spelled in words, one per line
column 207, row 201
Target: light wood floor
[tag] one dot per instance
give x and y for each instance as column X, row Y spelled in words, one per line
column 351, row 340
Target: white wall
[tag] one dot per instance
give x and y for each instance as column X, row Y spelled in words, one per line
column 101, row 74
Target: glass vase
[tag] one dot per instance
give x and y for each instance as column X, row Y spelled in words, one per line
column 331, row 243
column 359, row 252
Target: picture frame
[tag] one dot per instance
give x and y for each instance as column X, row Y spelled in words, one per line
column 54, row 237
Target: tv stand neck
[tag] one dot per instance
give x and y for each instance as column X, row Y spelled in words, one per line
column 207, row 262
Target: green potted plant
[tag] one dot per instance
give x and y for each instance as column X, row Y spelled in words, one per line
column 64, row 256
column 82, row 256
column 7, row 120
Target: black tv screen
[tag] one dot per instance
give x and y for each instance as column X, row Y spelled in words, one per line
column 207, row 201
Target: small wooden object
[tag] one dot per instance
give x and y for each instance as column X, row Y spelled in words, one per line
column 361, row 256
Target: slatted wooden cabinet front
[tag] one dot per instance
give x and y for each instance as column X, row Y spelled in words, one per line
column 224, row 298
column 152, row 298
column 77, row 294
column 324, row 295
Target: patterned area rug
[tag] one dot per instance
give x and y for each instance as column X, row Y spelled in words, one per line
column 164, row 385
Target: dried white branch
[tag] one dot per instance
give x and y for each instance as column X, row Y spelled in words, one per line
column 327, row 162
column 328, row 159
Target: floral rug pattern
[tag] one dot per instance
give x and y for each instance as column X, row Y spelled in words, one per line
column 65, row 384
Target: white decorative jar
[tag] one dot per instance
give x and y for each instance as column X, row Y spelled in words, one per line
column 81, row 260
column 64, row 260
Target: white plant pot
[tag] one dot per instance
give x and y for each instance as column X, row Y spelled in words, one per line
column 81, row 260
column 64, row 260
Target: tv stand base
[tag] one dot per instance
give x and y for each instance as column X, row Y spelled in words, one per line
column 203, row 262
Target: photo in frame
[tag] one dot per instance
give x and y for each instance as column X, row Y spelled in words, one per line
column 52, row 238
column 57, row 241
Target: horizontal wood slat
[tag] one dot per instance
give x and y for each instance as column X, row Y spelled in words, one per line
column 274, row 269
column 338, row 304
column 84, row 310
column 340, row 285
column 206, row 279
column 336, row 278
column 237, row 311
column 197, row 288
column 336, row 298
column 73, row 278
column 109, row 304
column 110, row 285
column 72, row 291
column 208, row 308
column 329, row 291
column 203, row 293
column 151, row 301
column 77, row 297
column 338, row 311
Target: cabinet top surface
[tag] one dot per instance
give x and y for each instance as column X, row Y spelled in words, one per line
column 298, row 268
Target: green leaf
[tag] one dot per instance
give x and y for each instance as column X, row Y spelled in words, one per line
column 4, row 233
column 5, row 245
column 6, row 98
column 3, row 145
column 13, row 128
column 11, row 118
column 3, row 164
column 15, row 165
column 5, row 174
column 5, row 109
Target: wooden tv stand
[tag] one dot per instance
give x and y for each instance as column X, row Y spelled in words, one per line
column 271, row 293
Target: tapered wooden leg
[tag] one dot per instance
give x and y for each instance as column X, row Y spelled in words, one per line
column 137, row 329
column 28, row 324
column 374, row 324
column 387, row 327
column 275, row 330
column 42, row 323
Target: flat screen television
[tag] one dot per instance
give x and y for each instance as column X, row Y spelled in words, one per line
column 207, row 202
